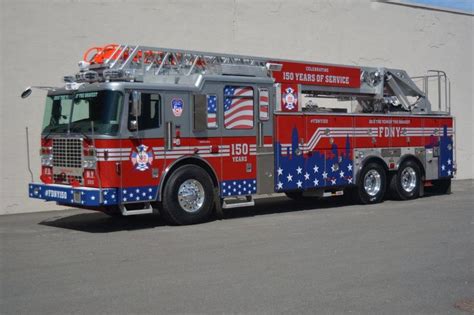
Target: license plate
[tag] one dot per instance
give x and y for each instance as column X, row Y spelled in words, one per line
column 77, row 197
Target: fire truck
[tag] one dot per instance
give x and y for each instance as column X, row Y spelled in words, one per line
column 187, row 133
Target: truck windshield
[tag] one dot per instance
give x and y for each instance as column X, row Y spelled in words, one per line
column 77, row 111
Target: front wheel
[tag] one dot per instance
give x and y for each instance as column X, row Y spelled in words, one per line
column 371, row 184
column 188, row 196
column 405, row 184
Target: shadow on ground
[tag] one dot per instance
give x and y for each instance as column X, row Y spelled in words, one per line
column 97, row 222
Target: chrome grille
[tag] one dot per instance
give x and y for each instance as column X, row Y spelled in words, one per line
column 67, row 152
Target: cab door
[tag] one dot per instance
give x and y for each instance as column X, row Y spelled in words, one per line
column 176, row 113
column 141, row 144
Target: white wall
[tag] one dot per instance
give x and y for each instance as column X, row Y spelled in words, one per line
column 42, row 40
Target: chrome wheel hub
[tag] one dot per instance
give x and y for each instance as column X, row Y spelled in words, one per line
column 408, row 179
column 372, row 182
column 191, row 195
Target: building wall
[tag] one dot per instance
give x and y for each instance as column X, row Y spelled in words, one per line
column 42, row 40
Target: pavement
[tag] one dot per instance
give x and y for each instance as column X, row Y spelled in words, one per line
column 280, row 256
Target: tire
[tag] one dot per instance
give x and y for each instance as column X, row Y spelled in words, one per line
column 371, row 184
column 405, row 183
column 440, row 186
column 188, row 196
column 295, row 195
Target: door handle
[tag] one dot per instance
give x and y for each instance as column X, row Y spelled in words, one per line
column 168, row 136
column 259, row 134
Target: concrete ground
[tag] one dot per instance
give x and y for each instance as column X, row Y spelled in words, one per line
column 411, row 257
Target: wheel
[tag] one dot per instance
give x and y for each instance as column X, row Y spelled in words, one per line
column 371, row 184
column 405, row 183
column 440, row 186
column 295, row 195
column 188, row 196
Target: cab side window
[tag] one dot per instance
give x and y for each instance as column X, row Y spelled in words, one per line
column 263, row 104
column 211, row 111
column 238, row 107
column 150, row 116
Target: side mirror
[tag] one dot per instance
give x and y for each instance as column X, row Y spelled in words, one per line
column 26, row 92
column 136, row 109
column 133, row 125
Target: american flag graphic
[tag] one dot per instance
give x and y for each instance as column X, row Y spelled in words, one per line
column 263, row 103
column 211, row 111
column 320, row 169
column 238, row 107
column 446, row 158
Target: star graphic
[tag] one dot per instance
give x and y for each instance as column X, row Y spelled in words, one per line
column 316, row 182
column 349, row 167
column 333, row 181
column 280, row 171
column 290, row 177
column 306, row 176
column 316, row 169
column 341, row 174
column 349, row 180
column 333, row 167
column 299, row 183
column 279, row 186
column 443, row 167
column 449, row 162
column 299, row 170
column 325, row 175
column 449, row 172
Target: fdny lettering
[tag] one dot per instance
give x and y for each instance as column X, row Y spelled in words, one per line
column 55, row 194
column 391, row 132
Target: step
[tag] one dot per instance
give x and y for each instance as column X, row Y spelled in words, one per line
column 146, row 210
column 237, row 202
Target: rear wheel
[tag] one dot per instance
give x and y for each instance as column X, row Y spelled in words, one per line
column 405, row 183
column 371, row 184
column 188, row 196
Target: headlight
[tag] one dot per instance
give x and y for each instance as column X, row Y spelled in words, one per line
column 91, row 164
column 47, row 160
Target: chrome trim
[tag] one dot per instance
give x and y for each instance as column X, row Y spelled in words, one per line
column 191, row 195
column 408, row 179
column 372, row 182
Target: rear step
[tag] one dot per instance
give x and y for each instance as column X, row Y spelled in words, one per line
column 145, row 210
column 238, row 202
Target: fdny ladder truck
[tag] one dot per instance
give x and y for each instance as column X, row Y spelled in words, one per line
column 141, row 129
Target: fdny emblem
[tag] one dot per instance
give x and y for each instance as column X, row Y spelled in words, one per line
column 289, row 99
column 177, row 106
column 142, row 158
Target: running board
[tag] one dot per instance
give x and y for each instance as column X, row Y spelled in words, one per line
column 146, row 210
column 238, row 202
column 333, row 193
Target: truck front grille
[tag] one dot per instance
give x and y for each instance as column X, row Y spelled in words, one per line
column 67, row 152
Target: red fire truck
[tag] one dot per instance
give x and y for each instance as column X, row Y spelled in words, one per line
column 141, row 129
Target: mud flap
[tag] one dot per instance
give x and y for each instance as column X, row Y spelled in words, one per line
column 218, row 205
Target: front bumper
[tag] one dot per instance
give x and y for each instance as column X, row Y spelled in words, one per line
column 74, row 196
